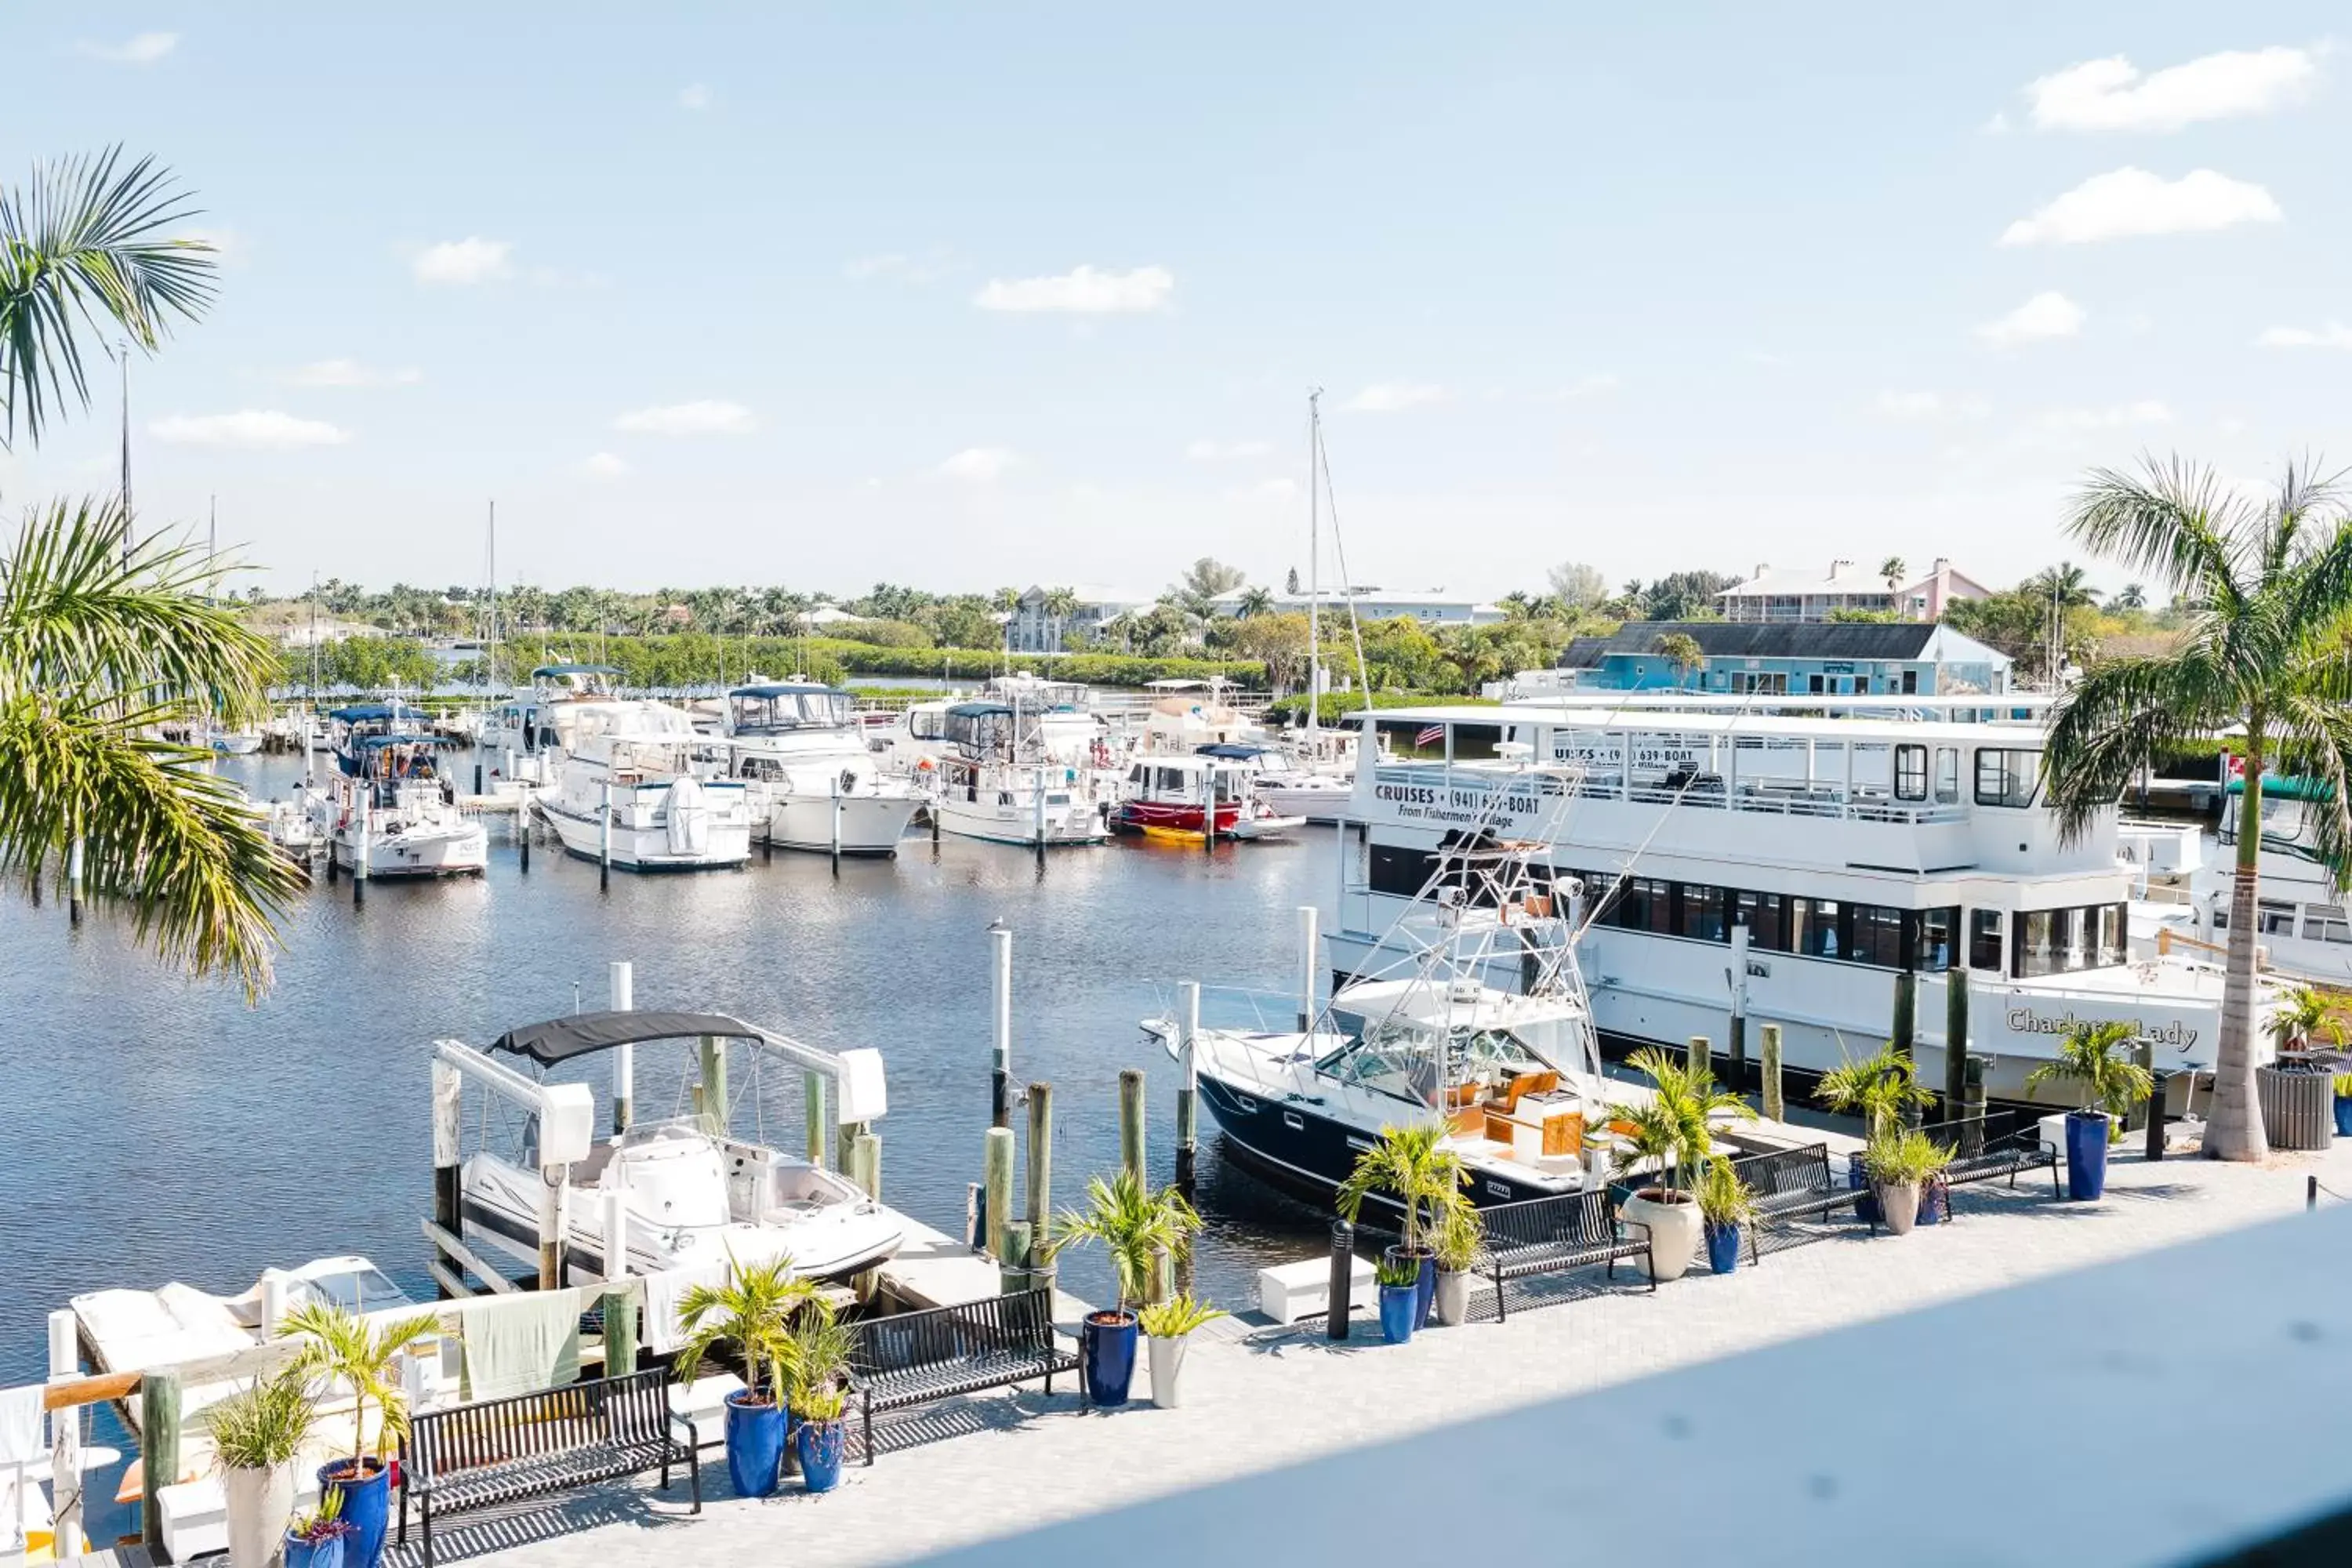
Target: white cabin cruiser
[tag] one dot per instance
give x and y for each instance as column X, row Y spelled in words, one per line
column 387, row 803
column 528, row 736
column 800, row 752
column 1286, row 787
column 994, row 785
column 632, row 785
column 683, row 1191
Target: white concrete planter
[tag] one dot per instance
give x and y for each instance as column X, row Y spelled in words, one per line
column 1453, row 1296
column 1898, row 1205
column 1167, row 1369
column 1674, row 1232
column 260, row 1507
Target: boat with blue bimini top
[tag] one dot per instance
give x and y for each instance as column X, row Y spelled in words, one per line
column 994, row 782
column 387, row 803
column 637, row 787
column 1422, row 1034
column 800, row 751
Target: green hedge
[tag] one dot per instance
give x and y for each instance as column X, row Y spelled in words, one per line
column 1340, row 707
column 692, row 659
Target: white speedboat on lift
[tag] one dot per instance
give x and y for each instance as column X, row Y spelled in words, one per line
column 234, row 742
column 1421, row 1036
column 681, row 1192
column 800, row 752
column 632, row 785
column 387, row 803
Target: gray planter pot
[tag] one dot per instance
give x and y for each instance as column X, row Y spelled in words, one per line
column 1452, row 1297
column 1898, row 1207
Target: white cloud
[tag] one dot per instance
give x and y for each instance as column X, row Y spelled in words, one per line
column 350, row 373
column 1924, row 406
column 604, row 466
column 2112, row 95
column 2047, row 315
column 1218, row 452
column 467, row 260
column 979, row 465
column 2127, row 203
column 1083, row 290
column 251, row 427
column 2334, row 335
column 140, row 49
column 2147, row 411
column 710, row 416
column 1388, row 396
column 696, row 96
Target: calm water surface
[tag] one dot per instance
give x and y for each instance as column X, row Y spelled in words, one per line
column 152, row 1130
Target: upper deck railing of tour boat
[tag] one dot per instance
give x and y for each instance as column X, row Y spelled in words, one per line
column 1821, row 798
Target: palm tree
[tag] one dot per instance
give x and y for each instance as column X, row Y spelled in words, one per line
column 2305, row 1015
column 96, row 651
column 1060, row 605
column 1881, row 1089
column 342, row 1345
column 1892, row 570
column 2130, row 597
column 752, row 1310
column 1675, row 1126
column 2086, row 1055
column 2271, row 581
column 1411, row 1166
column 1135, row 1226
column 1256, row 601
column 1681, row 650
column 81, row 250
column 2063, row 585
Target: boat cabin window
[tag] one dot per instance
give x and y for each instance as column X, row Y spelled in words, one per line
column 1910, row 773
column 1766, row 916
column 1815, row 927
column 1702, row 914
column 925, row 723
column 2059, row 942
column 765, row 712
column 1140, row 776
column 1985, row 948
column 1877, row 936
column 2005, row 777
column 1476, row 742
column 1939, row 936
column 1948, row 775
column 1391, row 1058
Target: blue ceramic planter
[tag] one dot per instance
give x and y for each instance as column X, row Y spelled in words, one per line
column 327, row 1554
column 1400, row 1312
column 755, row 1445
column 2343, row 1116
column 1865, row 1207
column 1723, row 1247
column 1107, row 1350
column 1425, row 1290
column 366, row 1507
column 2086, row 1154
column 819, row 1444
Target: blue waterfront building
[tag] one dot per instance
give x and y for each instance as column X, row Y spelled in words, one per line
column 1841, row 658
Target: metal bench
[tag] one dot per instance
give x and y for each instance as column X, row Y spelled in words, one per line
column 915, row 1358
column 1791, row 1184
column 1545, row 1235
column 1991, row 1146
column 472, row 1455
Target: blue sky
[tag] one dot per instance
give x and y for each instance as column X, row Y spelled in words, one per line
column 794, row 293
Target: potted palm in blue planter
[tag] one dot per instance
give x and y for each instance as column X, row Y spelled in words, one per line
column 1881, row 1089
column 2111, row 1084
column 1399, row 1275
column 1411, row 1168
column 1725, row 1204
column 1137, row 1228
column 315, row 1539
column 751, row 1310
column 364, row 1357
column 819, row 1373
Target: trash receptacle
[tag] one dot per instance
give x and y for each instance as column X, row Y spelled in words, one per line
column 2298, row 1101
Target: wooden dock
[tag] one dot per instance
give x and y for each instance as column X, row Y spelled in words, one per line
column 933, row 1269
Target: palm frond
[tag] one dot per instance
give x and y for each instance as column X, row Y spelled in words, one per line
column 2174, row 521
column 2121, row 716
column 80, row 249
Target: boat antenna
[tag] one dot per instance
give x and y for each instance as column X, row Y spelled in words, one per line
column 1313, row 575
column 491, row 675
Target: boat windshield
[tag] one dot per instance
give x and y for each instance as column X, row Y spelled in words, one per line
column 771, row 712
column 1397, row 1056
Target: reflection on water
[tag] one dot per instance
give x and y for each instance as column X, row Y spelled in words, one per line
column 159, row 1131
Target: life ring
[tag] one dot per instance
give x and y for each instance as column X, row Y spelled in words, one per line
column 924, row 765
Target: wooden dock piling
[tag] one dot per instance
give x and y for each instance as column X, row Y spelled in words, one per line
column 1739, row 1026
column 1131, row 1121
column 1040, row 1162
column 73, row 883
column 1776, row 1109
column 621, row 1329
column 621, row 985
column 1000, row 1066
column 1905, row 1034
column 1955, row 1040
column 159, row 1452
column 866, row 1163
column 812, row 1098
column 1188, row 1088
column 713, row 1085
column 604, row 839
column 1698, row 1057
column 996, row 1178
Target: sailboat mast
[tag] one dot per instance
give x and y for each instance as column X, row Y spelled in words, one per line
column 1314, row 563
column 490, row 679
column 212, row 545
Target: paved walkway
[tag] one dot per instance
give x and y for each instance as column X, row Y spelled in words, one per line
column 1257, row 1399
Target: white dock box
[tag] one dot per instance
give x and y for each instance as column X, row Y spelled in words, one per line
column 1294, row 1290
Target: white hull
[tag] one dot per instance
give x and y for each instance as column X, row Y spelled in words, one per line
column 459, row 849
column 864, row 824
column 645, row 845
column 1328, row 802
column 1019, row 822
column 239, row 745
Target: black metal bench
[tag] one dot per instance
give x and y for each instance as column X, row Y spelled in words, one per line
column 472, row 1455
column 1545, row 1235
column 1999, row 1144
column 1791, row 1184
column 915, row 1358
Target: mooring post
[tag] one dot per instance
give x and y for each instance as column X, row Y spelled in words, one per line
column 866, row 1163
column 1037, row 796
column 1905, row 1035
column 1012, row 1268
column 2143, row 1053
column 1041, row 1166
column 621, row 1329
column 2155, row 1150
column 1955, row 1040
column 1775, row 1108
column 477, row 777
column 1131, row 1121
column 996, row 1177
column 331, row 867
column 1188, row 1089
column 713, row 1067
column 1000, row 1064
column 1738, row 1024
column 1972, row 1104
column 622, row 981
column 1308, row 918
column 449, row 1092
column 523, row 834
column 605, row 839
column 1209, row 809
column 159, row 1453
column 2310, row 1194
column 65, row 1449
column 554, row 1223
column 73, row 883
column 360, row 859
column 836, row 782
column 845, row 1140
column 613, row 1225
column 1698, row 1057
column 812, row 1098
column 1343, row 1274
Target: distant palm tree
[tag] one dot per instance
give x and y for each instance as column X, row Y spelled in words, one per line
column 1894, row 571
column 1060, row 605
column 2130, row 597
column 2064, row 584
column 1255, row 601
column 1681, row 650
column 2261, row 654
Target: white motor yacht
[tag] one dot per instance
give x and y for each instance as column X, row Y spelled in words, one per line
column 690, row 1192
column 994, row 785
column 387, row 803
column 800, row 752
column 632, row 786
column 528, row 736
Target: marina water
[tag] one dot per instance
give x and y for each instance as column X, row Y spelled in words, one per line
column 158, row 1129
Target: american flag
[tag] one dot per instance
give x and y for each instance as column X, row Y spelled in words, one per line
column 1430, row 736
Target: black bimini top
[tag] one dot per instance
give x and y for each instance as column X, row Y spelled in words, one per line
column 584, row 1034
